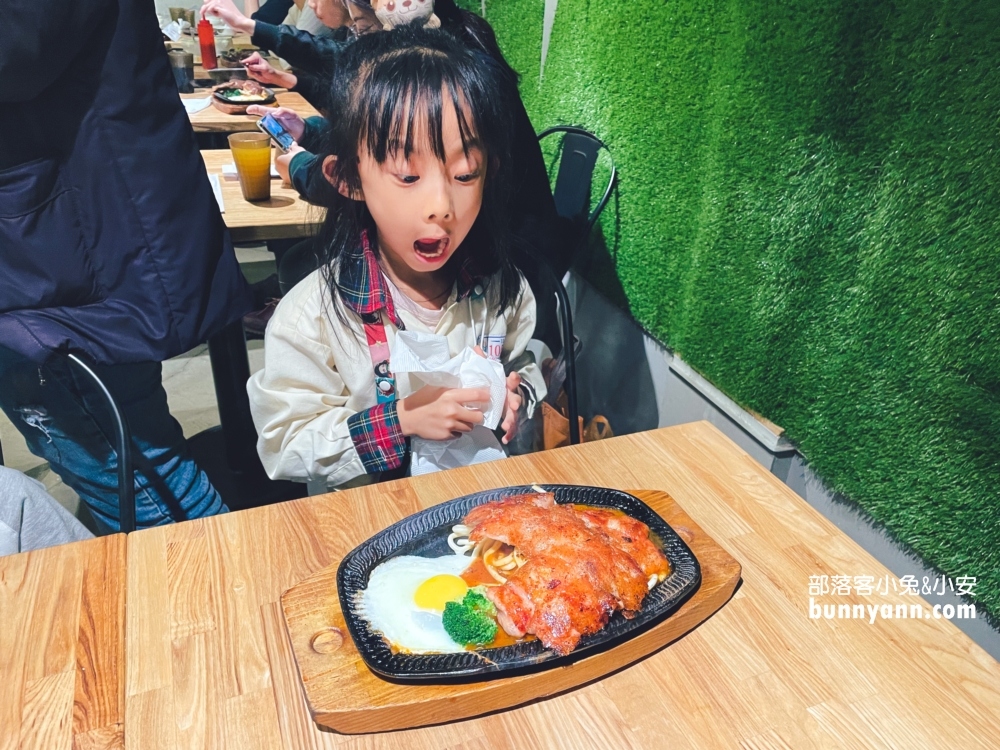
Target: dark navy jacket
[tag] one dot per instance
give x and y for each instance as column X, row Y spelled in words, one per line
column 111, row 242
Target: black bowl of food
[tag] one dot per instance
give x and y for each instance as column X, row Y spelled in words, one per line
column 234, row 97
column 233, row 58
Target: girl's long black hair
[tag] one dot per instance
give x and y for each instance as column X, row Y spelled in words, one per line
column 386, row 81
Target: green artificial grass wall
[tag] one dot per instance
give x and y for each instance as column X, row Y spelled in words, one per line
column 809, row 215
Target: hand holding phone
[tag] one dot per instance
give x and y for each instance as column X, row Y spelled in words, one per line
column 279, row 135
column 288, row 118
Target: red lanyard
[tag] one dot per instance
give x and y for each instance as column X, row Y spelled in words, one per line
column 378, row 348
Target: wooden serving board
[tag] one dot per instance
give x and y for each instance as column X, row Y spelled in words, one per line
column 343, row 694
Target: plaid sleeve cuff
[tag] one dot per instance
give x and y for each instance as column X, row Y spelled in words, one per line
column 378, row 438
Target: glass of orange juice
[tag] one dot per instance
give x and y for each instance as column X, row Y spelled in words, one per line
column 252, row 155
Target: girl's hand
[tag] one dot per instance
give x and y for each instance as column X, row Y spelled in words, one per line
column 290, row 121
column 228, row 12
column 514, row 398
column 440, row 413
column 261, row 70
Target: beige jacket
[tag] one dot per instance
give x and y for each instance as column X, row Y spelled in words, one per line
column 318, row 373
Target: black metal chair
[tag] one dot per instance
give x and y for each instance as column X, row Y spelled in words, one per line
column 123, row 440
column 126, row 491
column 578, row 154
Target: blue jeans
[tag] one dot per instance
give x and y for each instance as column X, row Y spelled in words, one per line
column 66, row 421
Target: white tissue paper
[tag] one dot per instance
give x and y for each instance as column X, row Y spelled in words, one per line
column 213, row 180
column 193, row 106
column 173, row 30
column 420, row 359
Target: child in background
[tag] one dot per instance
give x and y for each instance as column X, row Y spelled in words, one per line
column 421, row 152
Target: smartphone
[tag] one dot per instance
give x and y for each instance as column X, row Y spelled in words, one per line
column 281, row 137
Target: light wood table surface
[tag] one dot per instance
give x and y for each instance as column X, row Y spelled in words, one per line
column 62, row 644
column 285, row 215
column 211, row 120
column 209, row 663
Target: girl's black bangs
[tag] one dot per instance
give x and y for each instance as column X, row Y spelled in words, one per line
column 412, row 85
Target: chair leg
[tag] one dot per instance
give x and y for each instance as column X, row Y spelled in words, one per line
column 126, row 483
column 569, row 351
column 227, row 351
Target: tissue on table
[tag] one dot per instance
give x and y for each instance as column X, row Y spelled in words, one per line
column 420, row 359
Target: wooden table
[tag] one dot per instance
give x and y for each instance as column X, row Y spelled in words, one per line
column 285, row 215
column 211, row 120
column 209, row 663
column 62, row 643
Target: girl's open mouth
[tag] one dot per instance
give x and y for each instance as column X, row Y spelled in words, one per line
column 430, row 248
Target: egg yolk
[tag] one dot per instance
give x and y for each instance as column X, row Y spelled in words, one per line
column 438, row 590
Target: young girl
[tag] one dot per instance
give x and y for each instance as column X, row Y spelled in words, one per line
column 417, row 242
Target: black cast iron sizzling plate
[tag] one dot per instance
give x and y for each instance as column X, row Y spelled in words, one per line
column 425, row 534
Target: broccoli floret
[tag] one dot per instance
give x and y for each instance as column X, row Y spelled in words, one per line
column 470, row 622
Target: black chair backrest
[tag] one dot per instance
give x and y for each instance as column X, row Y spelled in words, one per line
column 576, row 172
column 578, row 159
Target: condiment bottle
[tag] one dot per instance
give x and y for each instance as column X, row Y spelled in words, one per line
column 206, row 37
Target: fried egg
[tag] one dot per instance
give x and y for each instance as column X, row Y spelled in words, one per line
column 405, row 597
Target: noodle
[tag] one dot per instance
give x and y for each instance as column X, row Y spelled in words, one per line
column 494, row 559
column 460, row 545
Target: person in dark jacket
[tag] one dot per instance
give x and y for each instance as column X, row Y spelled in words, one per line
column 300, row 48
column 313, row 57
column 272, row 11
column 111, row 248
